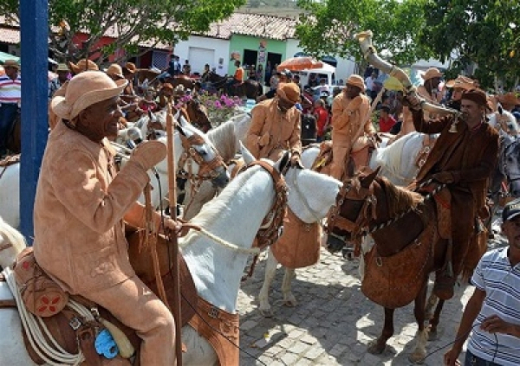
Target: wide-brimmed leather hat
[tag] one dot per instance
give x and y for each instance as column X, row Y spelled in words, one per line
column 11, row 63
column 356, row 80
column 509, row 99
column 461, row 82
column 431, row 73
column 130, row 68
column 115, row 70
column 84, row 90
column 62, row 67
column 83, row 65
column 289, row 92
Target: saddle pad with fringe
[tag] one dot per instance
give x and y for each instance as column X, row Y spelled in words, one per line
column 299, row 245
column 393, row 282
column 443, row 207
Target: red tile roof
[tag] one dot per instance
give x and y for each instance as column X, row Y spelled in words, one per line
column 256, row 25
column 9, row 35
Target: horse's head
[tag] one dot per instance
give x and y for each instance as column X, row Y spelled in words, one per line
column 510, row 163
column 198, row 114
column 11, row 244
column 199, row 149
column 504, row 120
column 311, row 194
column 355, row 206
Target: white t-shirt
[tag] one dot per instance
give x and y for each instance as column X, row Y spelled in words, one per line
column 501, row 282
column 369, row 82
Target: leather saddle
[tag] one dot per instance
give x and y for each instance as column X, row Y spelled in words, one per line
column 74, row 332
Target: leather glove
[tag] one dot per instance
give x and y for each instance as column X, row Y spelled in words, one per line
column 444, row 177
column 264, row 140
column 412, row 101
column 148, row 154
column 295, row 159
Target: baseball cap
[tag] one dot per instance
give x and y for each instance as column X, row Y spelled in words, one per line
column 511, row 210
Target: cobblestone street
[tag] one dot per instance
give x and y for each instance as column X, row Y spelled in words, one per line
column 333, row 322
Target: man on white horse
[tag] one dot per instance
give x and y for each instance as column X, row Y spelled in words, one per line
column 80, row 206
column 275, row 125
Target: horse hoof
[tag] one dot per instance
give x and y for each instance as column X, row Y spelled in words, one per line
column 267, row 313
column 290, row 303
column 432, row 335
column 417, row 357
column 374, row 348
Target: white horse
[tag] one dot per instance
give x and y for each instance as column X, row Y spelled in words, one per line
column 234, row 216
column 504, row 120
column 10, row 180
column 397, row 161
column 226, row 140
column 304, row 211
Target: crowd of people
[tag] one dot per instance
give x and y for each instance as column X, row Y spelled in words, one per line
column 79, row 188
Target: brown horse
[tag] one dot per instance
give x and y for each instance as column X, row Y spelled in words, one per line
column 249, row 88
column 407, row 248
column 184, row 80
column 198, row 115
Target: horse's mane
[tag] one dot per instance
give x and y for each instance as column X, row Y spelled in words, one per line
column 223, row 137
column 398, row 199
column 12, row 236
column 214, row 208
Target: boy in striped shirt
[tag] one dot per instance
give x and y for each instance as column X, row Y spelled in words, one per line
column 493, row 312
column 10, row 96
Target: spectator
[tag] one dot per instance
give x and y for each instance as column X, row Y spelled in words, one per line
column 268, row 73
column 322, row 119
column 10, row 98
column 260, row 73
column 56, row 83
column 386, row 120
column 186, row 68
column 370, row 84
column 492, row 313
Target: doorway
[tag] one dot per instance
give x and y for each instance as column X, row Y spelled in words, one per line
column 250, row 57
column 274, row 58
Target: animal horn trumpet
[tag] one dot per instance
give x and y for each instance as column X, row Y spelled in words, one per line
column 370, row 54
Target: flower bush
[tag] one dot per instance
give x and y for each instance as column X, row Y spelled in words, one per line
column 220, row 108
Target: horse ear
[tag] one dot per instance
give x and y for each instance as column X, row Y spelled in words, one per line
column 367, row 181
column 246, row 154
column 283, row 163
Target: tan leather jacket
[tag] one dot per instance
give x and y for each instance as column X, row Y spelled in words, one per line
column 78, row 226
column 272, row 131
column 347, row 117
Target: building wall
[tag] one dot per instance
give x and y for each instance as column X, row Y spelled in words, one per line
column 240, row 43
column 219, row 48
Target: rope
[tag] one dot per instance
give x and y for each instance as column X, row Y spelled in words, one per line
column 53, row 356
column 223, row 242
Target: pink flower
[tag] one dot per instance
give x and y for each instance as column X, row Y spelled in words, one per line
column 218, row 105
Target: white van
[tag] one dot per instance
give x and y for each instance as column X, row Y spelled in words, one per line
column 325, row 72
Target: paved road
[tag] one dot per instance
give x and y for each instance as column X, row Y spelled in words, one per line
column 333, row 322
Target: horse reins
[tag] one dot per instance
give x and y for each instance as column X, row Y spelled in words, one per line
column 361, row 227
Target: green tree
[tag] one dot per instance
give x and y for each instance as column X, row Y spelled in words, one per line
column 130, row 21
column 327, row 27
column 485, row 33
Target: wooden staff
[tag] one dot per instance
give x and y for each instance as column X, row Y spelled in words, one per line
column 172, row 195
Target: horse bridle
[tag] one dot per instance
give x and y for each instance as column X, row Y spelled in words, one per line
column 356, row 228
column 361, row 226
column 274, row 219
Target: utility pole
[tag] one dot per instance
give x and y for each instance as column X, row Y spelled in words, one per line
column 34, row 60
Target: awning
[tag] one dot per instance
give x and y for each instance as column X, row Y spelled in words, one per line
column 7, row 56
